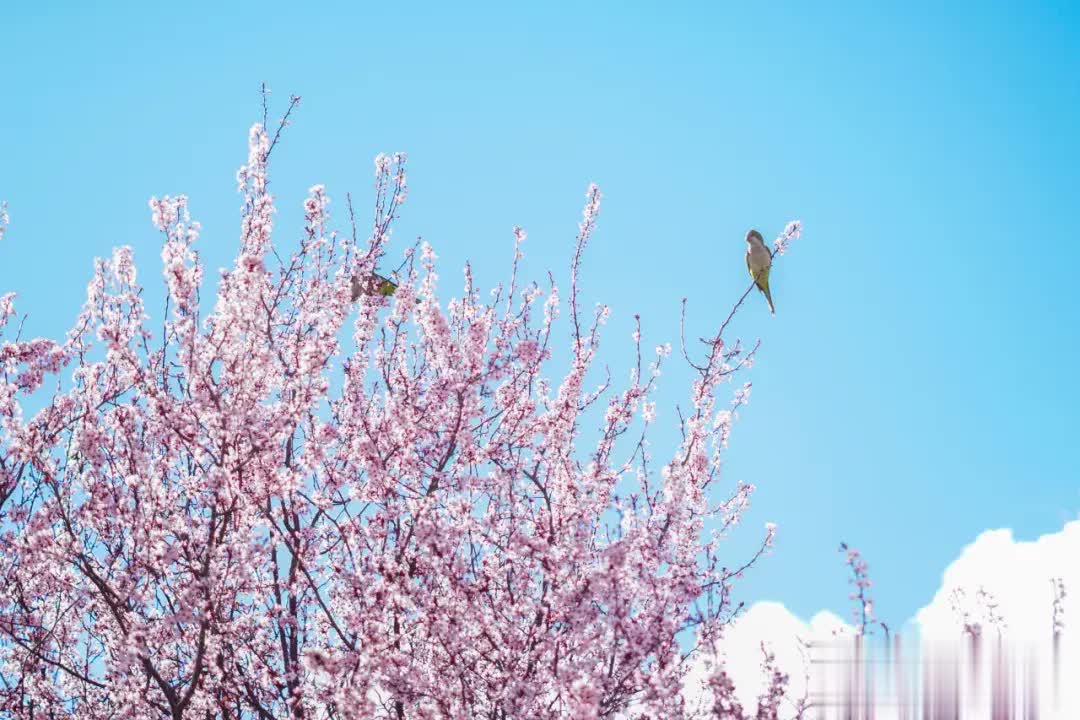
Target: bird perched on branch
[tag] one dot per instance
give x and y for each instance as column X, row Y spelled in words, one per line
column 759, row 262
column 372, row 284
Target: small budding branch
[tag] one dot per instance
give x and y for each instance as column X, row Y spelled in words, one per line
column 287, row 504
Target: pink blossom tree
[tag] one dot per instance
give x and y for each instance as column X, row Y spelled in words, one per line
column 290, row 505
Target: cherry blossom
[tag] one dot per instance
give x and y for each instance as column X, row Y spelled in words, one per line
column 271, row 502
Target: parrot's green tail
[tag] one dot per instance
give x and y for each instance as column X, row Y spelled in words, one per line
column 764, row 287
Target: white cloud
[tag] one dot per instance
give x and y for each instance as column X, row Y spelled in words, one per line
column 996, row 575
column 1015, row 579
column 783, row 634
column 1017, row 575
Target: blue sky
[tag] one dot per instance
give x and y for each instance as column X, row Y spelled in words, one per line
column 918, row 383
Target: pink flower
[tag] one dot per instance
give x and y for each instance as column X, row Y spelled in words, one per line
column 272, row 500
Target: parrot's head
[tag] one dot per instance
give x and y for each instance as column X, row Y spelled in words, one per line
column 754, row 235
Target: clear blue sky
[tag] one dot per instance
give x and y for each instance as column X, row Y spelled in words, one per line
column 919, row 381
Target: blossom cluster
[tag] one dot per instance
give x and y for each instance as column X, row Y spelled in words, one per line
column 285, row 504
column 862, row 614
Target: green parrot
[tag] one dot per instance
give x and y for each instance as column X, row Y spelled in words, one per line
column 373, row 284
column 759, row 262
